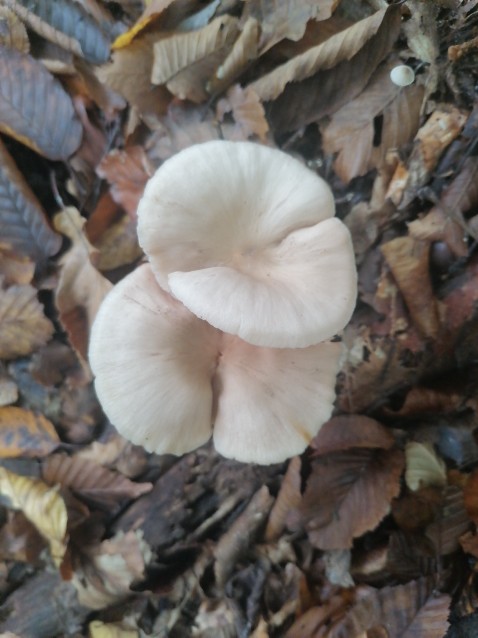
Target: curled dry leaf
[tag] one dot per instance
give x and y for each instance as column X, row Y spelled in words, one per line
column 127, row 172
column 247, row 111
column 67, row 24
column 424, row 467
column 90, row 480
column 286, row 19
column 34, row 107
column 110, row 569
column 241, row 534
column 352, row 134
column 243, row 53
column 348, row 494
column 13, row 33
column 338, row 48
column 289, row 498
column 129, row 73
column 23, row 433
column 437, row 225
column 186, row 61
column 23, row 325
column 81, row 288
column 408, row 259
column 41, row 504
column 23, row 223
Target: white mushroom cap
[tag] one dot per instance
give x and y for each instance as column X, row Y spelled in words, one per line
column 152, row 361
column 242, row 234
column 164, row 376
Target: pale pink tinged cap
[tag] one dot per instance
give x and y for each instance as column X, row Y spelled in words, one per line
column 243, row 235
column 152, row 360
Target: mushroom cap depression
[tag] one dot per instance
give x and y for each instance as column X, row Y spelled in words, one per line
column 168, row 380
column 245, row 237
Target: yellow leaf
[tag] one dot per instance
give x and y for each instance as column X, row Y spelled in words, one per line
column 98, row 629
column 42, row 505
column 424, row 467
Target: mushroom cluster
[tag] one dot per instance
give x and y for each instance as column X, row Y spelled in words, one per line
column 226, row 331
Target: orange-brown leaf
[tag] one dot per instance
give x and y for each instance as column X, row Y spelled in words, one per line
column 23, row 325
column 23, row 433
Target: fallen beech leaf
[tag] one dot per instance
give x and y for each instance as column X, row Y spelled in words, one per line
column 450, row 523
column 422, row 400
column 408, row 259
column 14, row 268
column 186, row 61
column 436, row 225
column 129, row 74
column 13, row 33
column 424, row 468
column 441, row 128
column 247, row 111
column 118, row 245
column 240, row 535
column 243, row 52
column 340, row 47
column 42, row 505
column 98, row 629
column 286, row 19
column 348, row 494
column 111, row 567
column 23, row 433
column 351, row 131
column 431, row 620
column 351, row 431
column 68, row 25
column 23, row 325
column 81, row 288
column 20, row 540
column 471, row 497
column 462, row 194
column 34, row 107
column 127, row 171
column 288, row 498
column 90, row 480
column 23, row 223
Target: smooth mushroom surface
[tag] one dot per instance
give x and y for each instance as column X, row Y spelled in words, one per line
column 245, row 236
column 168, row 380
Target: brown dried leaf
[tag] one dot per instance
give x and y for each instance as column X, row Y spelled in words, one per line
column 351, row 431
column 462, row 194
column 351, row 131
column 23, row 433
column 81, row 288
column 24, row 225
column 12, row 31
column 241, row 534
column 34, row 107
column 42, row 505
column 243, row 52
column 283, row 19
column 431, row 620
column 186, row 61
column 129, row 74
column 20, row 540
column 408, row 260
column 341, row 47
column 112, row 567
column 90, row 480
column 471, row 497
column 14, row 268
column 119, row 245
column 23, row 325
column 288, row 498
column 247, row 111
column 438, row 226
column 348, row 494
column 450, row 523
column 127, row 172
column 438, row 132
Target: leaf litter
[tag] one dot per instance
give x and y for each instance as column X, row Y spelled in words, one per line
column 371, row 533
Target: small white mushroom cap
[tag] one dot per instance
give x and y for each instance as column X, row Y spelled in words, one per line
column 243, row 235
column 168, row 380
column 402, row 75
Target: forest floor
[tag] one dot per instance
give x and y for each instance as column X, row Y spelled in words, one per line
column 371, row 532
